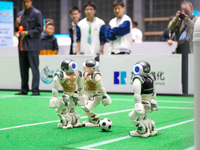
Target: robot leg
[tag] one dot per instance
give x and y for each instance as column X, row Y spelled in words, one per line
column 91, row 103
column 77, row 118
column 66, row 120
column 93, row 120
column 142, row 129
column 152, row 127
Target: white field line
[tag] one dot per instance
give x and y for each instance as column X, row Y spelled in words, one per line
column 162, row 101
column 40, row 123
column 89, row 147
column 190, row 148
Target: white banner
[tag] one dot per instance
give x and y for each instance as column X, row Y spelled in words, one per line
column 167, row 69
column 116, row 72
column 49, row 64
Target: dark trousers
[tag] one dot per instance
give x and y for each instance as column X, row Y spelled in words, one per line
column 184, row 49
column 29, row 59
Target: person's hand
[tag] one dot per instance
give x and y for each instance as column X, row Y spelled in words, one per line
column 170, row 42
column 23, row 33
column 178, row 14
column 18, row 20
column 101, row 53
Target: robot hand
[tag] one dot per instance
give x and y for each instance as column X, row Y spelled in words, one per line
column 154, row 105
column 106, row 100
column 54, row 102
column 139, row 109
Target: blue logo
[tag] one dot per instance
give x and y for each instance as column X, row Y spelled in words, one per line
column 47, row 75
column 119, row 77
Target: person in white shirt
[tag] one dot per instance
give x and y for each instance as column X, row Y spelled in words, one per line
column 136, row 33
column 119, row 30
column 91, row 31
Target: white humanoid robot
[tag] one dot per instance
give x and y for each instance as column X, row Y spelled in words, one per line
column 145, row 100
column 68, row 78
column 94, row 92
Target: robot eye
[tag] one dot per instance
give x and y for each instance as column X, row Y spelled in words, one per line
column 136, row 69
column 74, row 66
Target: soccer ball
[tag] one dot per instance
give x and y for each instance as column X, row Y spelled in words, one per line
column 105, row 124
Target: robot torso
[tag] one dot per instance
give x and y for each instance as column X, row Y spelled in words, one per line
column 68, row 81
column 147, row 83
column 89, row 84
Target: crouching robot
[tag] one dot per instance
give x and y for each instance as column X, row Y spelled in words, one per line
column 94, row 92
column 145, row 100
column 68, row 78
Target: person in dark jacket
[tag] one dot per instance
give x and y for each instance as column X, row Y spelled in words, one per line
column 75, row 16
column 49, row 45
column 29, row 46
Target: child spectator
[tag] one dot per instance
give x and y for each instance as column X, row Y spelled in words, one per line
column 47, row 21
column 49, row 45
column 119, row 30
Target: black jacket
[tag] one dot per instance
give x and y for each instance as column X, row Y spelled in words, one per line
column 32, row 21
column 49, row 43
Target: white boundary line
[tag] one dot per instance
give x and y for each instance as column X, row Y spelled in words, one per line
column 162, row 101
column 190, row 148
column 40, row 123
column 89, row 147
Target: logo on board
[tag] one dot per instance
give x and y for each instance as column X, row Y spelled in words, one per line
column 119, row 77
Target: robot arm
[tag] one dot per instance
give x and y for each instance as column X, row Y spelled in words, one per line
column 54, row 98
column 81, row 101
column 137, row 91
column 139, row 107
column 106, row 98
column 80, row 84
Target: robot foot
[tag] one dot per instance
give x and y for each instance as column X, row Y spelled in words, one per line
column 89, row 124
column 153, row 132
column 68, row 127
column 135, row 133
column 59, row 125
column 77, row 125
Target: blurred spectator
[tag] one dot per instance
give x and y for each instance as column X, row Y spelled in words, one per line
column 169, row 36
column 47, row 21
column 75, row 16
column 91, row 32
column 136, row 33
column 119, row 30
column 29, row 46
column 183, row 23
column 49, row 45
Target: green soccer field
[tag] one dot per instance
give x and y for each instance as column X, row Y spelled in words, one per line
column 26, row 123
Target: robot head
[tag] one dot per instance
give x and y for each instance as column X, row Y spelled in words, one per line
column 91, row 66
column 141, row 67
column 68, row 66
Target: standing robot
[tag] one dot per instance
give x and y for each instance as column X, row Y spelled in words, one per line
column 94, row 91
column 65, row 106
column 145, row 100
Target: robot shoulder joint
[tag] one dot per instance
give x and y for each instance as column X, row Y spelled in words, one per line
column 61, row 75
column 141, row 78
